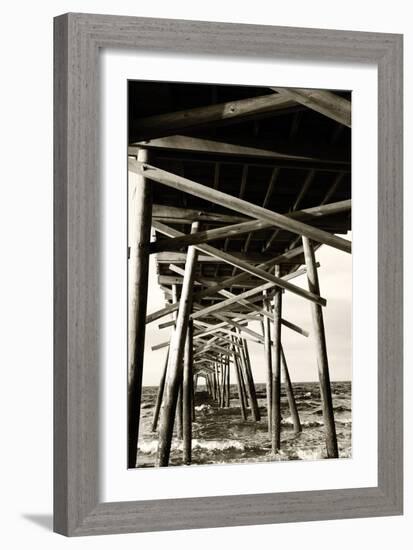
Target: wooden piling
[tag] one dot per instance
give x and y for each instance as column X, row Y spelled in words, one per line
column 249, row 381
column 243, row 383
column 187, row 396
column 228, row 383
column 218, row 383
column 268, row 357
column 321, row 351
column 214, row 385
column 179, row 414
column 224, row 382
column 290, row 394
column 140, row 212
column 160, row 395
column 241, row 396
column 193, row 396
column 176, row 352
column 276, row 373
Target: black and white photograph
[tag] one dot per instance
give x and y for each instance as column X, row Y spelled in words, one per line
column 239, row 274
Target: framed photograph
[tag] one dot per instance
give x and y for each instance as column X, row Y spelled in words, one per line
column 228, row 274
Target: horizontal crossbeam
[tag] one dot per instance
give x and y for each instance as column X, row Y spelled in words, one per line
column 237, row 204
column 244, row 227
column 170, row 123
column 249, row 268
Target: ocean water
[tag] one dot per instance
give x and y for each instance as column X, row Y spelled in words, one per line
column 220, row 436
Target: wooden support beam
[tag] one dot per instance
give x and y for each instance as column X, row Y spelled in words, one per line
column 243, row 276
column 187, row 396
column 170, row 123
column 239, row 205
column 140, row 203
column 228, row 383
column 241, row 397
column 206, row 281
column 174, row 214
column 290, row 394
column 213, row 347
column 179, row 412
column 289, row 255
column 321, row 352
column 266, row 325
column 167, row 324
column 235, row 299
column 209, row 146
column 176, row 352
column 322, row 101
column 249, row 268
column 222, row 339
column 159, row 395
column 276, row 375
column 174, row 257
column 227, row 294
column 240, row 327
column 307, row 182
column 229, row 231
column 217, row 381
column 179, row 406
column 249, row 382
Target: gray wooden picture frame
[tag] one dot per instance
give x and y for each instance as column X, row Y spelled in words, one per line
column 77, row 506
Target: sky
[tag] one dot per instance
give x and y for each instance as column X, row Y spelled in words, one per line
column 335, row 276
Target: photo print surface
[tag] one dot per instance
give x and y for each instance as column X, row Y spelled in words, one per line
column 239, row 274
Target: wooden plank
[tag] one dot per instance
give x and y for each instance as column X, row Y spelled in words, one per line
column 249, row 268
column 239, row 205
column 322, row 101
column 170, row 123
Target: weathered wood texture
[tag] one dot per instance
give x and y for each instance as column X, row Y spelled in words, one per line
column 276, row 373
column 175, row 361
column 290, row 394
column 170, row 123
column 319, row 339
column 187, row 396
column 239, row 205
column 140, row 198
column 323, row 101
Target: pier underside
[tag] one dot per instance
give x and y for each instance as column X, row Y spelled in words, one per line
column 233, row 189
